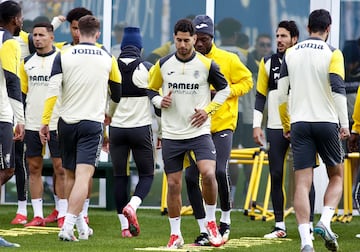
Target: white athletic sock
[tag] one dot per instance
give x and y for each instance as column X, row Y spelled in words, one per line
column 85, row 207
column 123, row 222
column 37, row 205
column 22, row 207
column 202, row 223
column 175, row 224
column 70, row 220
column 56, row 200
column 135, row 202
column 304, row 231
column 281, row 225
column 326, row 216
column 63, row 205
column 210, row 212
column 225, row 217
column 81, row 224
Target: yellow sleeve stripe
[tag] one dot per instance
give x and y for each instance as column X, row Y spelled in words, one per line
column 48, row 109
column 263, row 79
column 10, row 56
column 155, row 78
column 23, row 78
column 337, row 64
column 115, row 75
column 356, row 113
column 284, row 116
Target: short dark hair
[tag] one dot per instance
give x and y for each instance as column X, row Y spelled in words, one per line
column 49, row 27
column 77, row 13
column 290, row 26
column 184, row 25
column 89, row 25
column 8, row 10
column 319, row 20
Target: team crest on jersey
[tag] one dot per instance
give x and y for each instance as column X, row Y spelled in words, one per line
column 196, row 74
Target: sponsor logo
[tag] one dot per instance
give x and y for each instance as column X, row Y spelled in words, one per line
column 39, row 78
column 213, row 152
column 200, row 26
column 275, row 69
column 87, row 51
column 170, row 73
column 223, row 135
column 309, row 45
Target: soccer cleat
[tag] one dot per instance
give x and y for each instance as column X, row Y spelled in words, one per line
column 307, row 248
column 19, row 219
column 67, row 235
column 126, row 233
column 60, row 222
column 36, row 222
column 175, row 242
column 276, row 233
column 202, row 240
column 84, row 235
column 51, row 217
column 215, row 237
column 328, row 236
column 130, row 214
column 224, row 230
column 5, row 243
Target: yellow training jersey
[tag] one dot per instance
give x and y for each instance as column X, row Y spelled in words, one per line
column 240, row 82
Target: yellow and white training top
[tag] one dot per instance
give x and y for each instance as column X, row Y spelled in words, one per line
column 313, row 72
column 189, row 83
column 35, row 72
column 85, row 74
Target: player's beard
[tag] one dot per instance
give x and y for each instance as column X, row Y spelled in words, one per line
column 184, row 52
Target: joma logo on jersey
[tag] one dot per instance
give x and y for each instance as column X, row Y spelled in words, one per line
column 39, row 78
column 87, row 51
column 309, row 45
column 190, row 86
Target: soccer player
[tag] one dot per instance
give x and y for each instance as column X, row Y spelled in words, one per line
column 35, row 71
column 353, row 144
column 130, row 129
column 73, row 18
column 84, row 75
column 184, row 77
column 287, row 35
column 223, row 123
column 11, row 19
column 313, row 73
column 25, row 40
